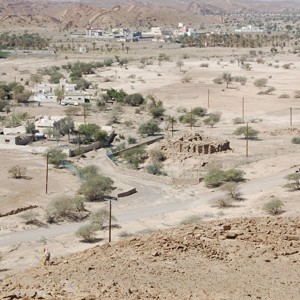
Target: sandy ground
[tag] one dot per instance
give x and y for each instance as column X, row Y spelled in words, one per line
column 271, row 154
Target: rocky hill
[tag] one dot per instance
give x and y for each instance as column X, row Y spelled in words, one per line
column 72, row 14
column 222, row 259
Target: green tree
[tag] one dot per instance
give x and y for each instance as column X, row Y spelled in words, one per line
column 212, row 119
column 135, row 156
column 56, row 156
column 95, row 188
column 30, row 127
column 273, row 207
column 252, row 133
column 87, row 233
column 293, row 181
column 59, row 93
column 214, row 177
column 100, row 217
column 150, row 127
column 227, row 77
column 89, row 131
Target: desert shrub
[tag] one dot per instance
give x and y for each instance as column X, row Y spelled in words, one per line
column 128, row 123
column 296, row 140
column 233, row 190
column 191, row 219
column 65, row 208
column 100, row 217
column 181, row 110
column 241, row 79
column 125, row 234
column 212, row 119
column 234, row 175
column 297, row 94
column 87, row 233
column 261, row 82
column 89, row 171
column 157, row 155
column 150, row 127
column 218, row 80
column 199, row 111
column 222, row 202
column 260, row 61
column 268, row 91
column 17, row 171
column 131, row 140
column 154, row 169
column 287, row 66
column 185, row 56
column 273, row 207
column 216, row 177
column 56, row 156
column 189, row 119
column 134, row 99
column 29, row 216
column 252, row 133
column 186, row 79
column 157, row 112
column 284, row 96
column 96, row 187
column 116, row 95
column 135, row 156
column 204, row 65
column 236, row 121
column 293, row 181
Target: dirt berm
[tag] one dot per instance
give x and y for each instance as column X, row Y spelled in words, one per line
column 222, row 259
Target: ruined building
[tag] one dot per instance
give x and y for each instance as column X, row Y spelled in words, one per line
column 194, row 144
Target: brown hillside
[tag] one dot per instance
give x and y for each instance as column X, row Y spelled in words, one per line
column 228, row 259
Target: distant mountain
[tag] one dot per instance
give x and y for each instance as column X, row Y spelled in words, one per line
column 71, row 14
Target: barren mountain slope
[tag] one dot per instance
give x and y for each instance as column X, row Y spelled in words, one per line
column 228, row 259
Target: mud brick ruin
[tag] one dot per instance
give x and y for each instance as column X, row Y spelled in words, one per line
column 194, row 144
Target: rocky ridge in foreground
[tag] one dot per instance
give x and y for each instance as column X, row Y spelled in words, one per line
column 255, row 258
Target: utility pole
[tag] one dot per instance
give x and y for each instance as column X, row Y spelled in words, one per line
column 110, row 198
column 84, row 114
column 247, row 140
column 208, row 98
column 243, row 108
column 172, row 123
column 191, row 119
column 109, row 235
column 47, row 158
column 291, row 116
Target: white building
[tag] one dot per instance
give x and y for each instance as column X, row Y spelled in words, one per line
column 249, row 29
column 93, row 32
column 154, row 31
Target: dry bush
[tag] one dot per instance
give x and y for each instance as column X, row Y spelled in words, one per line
column 222, row 202
column 17, row 172
column 232, row 189
column 273, row 207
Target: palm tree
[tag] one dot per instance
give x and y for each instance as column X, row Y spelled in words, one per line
column 171, row 121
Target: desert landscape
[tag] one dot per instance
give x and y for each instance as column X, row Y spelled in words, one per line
column 192, row 145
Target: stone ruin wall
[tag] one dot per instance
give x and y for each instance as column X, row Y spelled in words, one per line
column 195, row 145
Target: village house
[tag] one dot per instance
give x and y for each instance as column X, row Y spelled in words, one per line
column 93, row 32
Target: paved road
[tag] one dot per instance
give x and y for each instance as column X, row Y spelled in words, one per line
column 152, row 199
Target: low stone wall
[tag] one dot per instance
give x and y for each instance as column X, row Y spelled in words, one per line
column 127, row 193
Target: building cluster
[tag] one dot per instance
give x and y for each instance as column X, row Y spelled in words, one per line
column 156, row 33
column 45, row 92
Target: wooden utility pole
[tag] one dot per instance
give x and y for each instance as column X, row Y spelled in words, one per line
column 291, row 116
column 243, row 108
column 208, row 98
column 84, row 114
column 247, row 140
column 172, row 123
column 109, row 235
column 191, row 119
column 110, row 198
column 47, row 172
